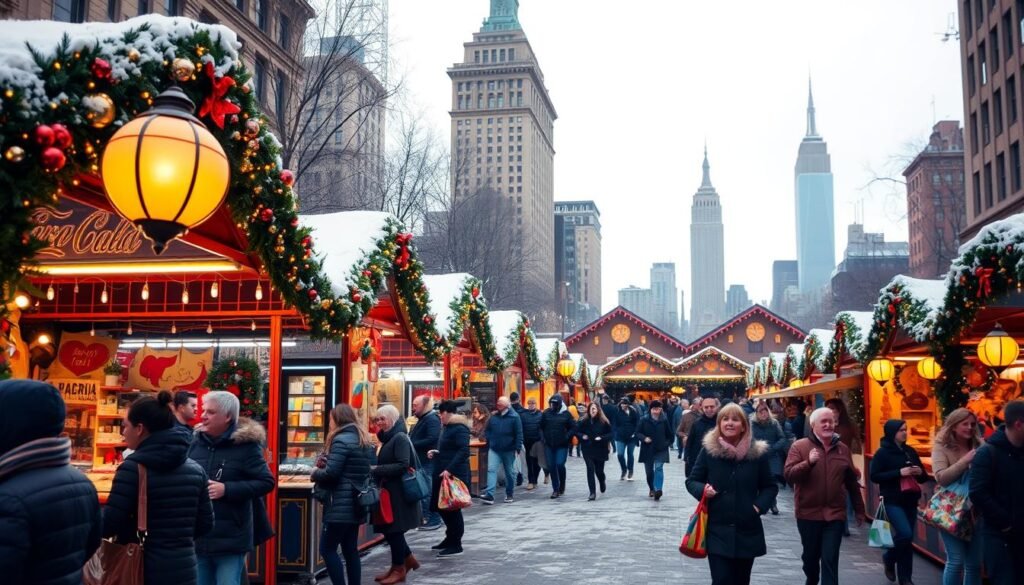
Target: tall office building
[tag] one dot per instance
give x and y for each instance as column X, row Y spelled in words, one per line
column 736, row 300
column 502, row 140
column 578, row 260
column 638, row 300
column 815, row 222
column 785, row 274
column 665, row 311
column 707, row 258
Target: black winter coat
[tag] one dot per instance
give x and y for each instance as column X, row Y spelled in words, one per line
column 178, row 510
column 662, row 436
column 504, row 432
column 609, row 413
column 702, row 426
column 778, row 443
column 347, row 471
column 425, row 433
column 625, row 425
column 452, row 455
column 393, row 461
column 236, row 458
column 886, row 464
column 997, row 466
column 598, row 435
column 531, row 425
column 734, row 526
column 556, row 428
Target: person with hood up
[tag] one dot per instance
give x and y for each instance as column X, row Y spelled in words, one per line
column 394, row 459
column 626, row 420
column 768, row 430
column 556, row 427
column 733, row 473
column 655, row 433
column 997, row 474
column 178, row 502
column 594, row 432
column 897, row 470
column 229, row 448
column 49, row 511
column 702, row 426
column 451, row 459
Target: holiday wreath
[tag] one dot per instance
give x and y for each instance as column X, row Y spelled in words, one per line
column 241, row 377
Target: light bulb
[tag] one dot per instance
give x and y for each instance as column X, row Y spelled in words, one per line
column 103, row 295
column 259, row 292
column 174, row 329
column 76, row 287
column 92, row 331
column 43, row 339
column 145, row 291
column 209, row 327
column 184, row 297
column 214, row 290
column 21, row 300
column 130, row 331
column 253, row 326
column 50, row 293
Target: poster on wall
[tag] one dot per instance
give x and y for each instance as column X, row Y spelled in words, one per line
column 169, row 369
column 83, row 356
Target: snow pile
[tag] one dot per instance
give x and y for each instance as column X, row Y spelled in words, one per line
column 344, row 240
column 445, row 292
column 505, row 333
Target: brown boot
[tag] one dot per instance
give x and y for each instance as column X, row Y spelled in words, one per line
column 411, row 564
column 386, row 574
column 398, row 576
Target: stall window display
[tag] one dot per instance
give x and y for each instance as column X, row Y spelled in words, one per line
column 307, row 396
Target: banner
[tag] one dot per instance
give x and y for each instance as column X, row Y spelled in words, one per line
column 83, row 356
column 169, row 369
column 75, row 391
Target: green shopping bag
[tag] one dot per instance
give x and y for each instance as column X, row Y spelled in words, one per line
column 880, row 533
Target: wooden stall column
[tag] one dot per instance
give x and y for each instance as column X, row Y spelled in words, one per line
column 449, row 386
column 273, row 441
column 345, row 376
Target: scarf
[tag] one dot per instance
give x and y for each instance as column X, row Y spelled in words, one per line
column 46, row 452
column 739, row 451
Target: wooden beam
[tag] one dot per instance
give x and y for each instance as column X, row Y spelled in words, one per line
column 273, row 442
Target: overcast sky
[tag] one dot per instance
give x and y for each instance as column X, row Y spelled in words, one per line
column 638, row 86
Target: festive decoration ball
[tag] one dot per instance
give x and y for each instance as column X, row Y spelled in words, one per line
column 15, row 154
column 279, row 249
column 53, row 159
column 253, row 145
column 476, row 291
column 272, row 229
column 312, row 293
column 183, row 69
column 44, row 136
column 252, row 128
column 61, row 136
column 295, row 222
column 101, row 69
column 326, row 303
column 356, row 297
column 236, row 135
column 246, row 89
column 307, row 241
column 233, row 119
column 367, row 273
column 133, row 55
column 101, row 110
column 287, row 177
column 267, row 214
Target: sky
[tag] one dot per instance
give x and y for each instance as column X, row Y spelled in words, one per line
column 640, row 86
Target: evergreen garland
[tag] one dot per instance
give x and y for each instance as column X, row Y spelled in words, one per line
column 241, row 376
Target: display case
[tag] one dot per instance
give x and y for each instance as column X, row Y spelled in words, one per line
column 309, row 398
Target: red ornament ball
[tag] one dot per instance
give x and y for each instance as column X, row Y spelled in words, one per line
column 53, row 159
column 307, row 242
column 101, row 69
column 44, row 135
column 367, row 273
column 476, row 291
column 312, row 293
column 61, row 136
column 428, row 319
column 356, row 297
column 287, row 177
column 267, row 214
column 295, row 222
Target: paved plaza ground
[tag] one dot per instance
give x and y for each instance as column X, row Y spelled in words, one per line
column 622, row 538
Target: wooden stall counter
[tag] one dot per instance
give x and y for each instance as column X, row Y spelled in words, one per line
column 477, row 467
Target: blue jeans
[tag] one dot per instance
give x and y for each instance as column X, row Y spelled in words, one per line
column 963, row 559
column 624, row 449
column 346, row 536
column 903, row 519
column 429, row 518
column 655, row 474
column 556, row 466
column 506, row 459
column 221, row 569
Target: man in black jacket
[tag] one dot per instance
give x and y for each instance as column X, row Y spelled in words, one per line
column 626, row 419
column 701, row 427
column 530, row 418
column 424, row 437
column 655, row 435
column 997, row 474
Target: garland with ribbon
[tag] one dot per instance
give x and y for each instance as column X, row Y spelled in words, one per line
column 241, row 377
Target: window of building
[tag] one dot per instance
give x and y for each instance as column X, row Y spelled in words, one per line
column 967, row 17
column 974, row 133
column 1008, row 43
column 977, row 192
column 259, row 79
column 993, row 45
column 1011, row 99
column 997, row 102
column 144, row 7
column 69, row 10
column 971, row 79
column 240, row 4
column 284, row 30
column 1001, row 176
column 597, row 340
column 487, row 57
column 173, row 8
column 986, row 129
column 113, row 8
column 476, row 56
column 501, row 55
column 982, row 65
column 980, row 13
column 280, row 95
column 1015, row 174
column 989, row 191
column 511, row 54
column 756, row 347
column 261, row 14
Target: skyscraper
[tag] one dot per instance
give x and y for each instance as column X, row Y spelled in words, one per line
column 736, row 300
column 638, row 300
column 502, row 139
column 707, row 258
column 815, row 223
column 663, row 297
column 578, row 260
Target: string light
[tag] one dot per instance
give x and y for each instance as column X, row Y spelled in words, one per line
column 103, row 295
column 259, row 292
column 209, row 328
column 145, row 291
column 76, row 286
column 253, row 326
column 50, row 293
column 174, row 328
column 184, row 295
column 214, row 290
column 130, row 331
column 21, row 301
column 92, row 330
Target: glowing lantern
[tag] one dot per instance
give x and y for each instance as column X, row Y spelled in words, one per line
column 881, row 370
column 566, row 367
column 929, row 369
column 796, row 383
column 997, row 349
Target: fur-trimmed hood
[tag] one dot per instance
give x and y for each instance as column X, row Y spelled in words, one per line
column 249, row 431
column 460, row 419
column 714, row 449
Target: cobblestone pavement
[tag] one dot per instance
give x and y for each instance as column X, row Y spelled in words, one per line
column 622, row 538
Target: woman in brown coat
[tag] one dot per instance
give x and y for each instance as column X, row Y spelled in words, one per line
column 394, row 459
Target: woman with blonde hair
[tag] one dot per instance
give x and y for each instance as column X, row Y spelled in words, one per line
column 343, row 472
column 952, row 453
column 394, row 459
column 733, row 472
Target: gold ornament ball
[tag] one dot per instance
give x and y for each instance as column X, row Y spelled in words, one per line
column 252, row 128
column 326, row 303
column 183, row 69
column 15, row 154
column 133, row 55
column 101, row 111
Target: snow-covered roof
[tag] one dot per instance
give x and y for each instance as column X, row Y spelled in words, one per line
column 857, row 333
column 445, row 290
column 546, row 345
column 344, row 239
column 504, row 331
column 931, row 292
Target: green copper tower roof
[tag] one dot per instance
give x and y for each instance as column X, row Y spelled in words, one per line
column 504, row 16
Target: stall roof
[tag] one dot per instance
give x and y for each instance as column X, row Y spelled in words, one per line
column 344, row 241
column 447, row 293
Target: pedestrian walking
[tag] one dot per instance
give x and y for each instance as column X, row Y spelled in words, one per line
column 504, row 436
column 530, row 419
column 702, row 426
column 556, row 427
column 424, row 436
column 897, row 470
column 594, row 432
column 733, row 472
column 480, row 415
column 626, row 421
column 956, row 443
column 766, row 429
column 395, row 457
column 229, row 448
column 682, row 407
column 997, row 472
column 185, row 406
column 517, row 407
column 49, row 512
column 795, row 416
column 451, row 459
column 821, row 470
column 574, row 412
column 686, row 422
column 345, row 472
column 178, row 504
column 655, row 434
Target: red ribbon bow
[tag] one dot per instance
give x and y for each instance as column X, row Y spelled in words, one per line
column 402, row 260
column 216, row 106
column 984, row 281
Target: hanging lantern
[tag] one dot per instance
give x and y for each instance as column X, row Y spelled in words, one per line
column 22, row 301
column 259, row 292
column 929, row 369
column 797, row 383
column 997, row 349
column 214, row 290
column 881, row 370
column 566, row 367
column 145, row 291
column 164, row 171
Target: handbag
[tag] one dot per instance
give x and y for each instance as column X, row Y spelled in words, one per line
column 121, row 564
column 369, row 495
column 880, row 533
column 694, row 544
column 415, row 483
column 382, row 513
column 949, row 509
column 453, row 495
column 909, row 485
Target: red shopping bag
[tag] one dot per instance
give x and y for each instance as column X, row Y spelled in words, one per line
column 382, row 514
column 694, row 544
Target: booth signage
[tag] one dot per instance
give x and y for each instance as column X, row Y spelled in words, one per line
column 77, row 391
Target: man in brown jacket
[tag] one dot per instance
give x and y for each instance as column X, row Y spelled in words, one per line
column 822, row 473
column 685, row 422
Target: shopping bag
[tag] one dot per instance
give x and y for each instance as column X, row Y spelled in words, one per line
column 949, row 509
column 880, row 533
column 454, row 495
column 694, row 544
column 382, row 513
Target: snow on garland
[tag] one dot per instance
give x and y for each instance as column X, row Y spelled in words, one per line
column 795, row 353
column 910, row 304
column 241, row 377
